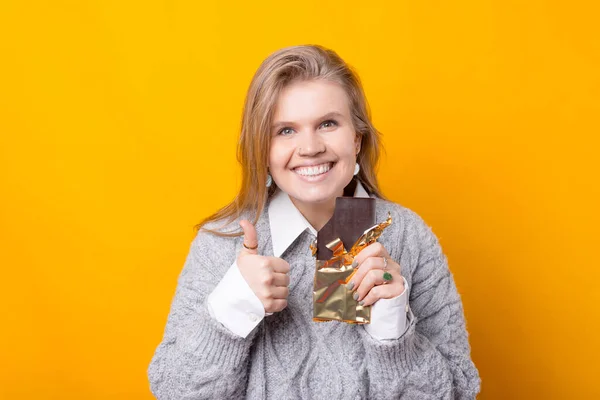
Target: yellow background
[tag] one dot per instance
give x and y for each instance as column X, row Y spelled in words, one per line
column 118, row 125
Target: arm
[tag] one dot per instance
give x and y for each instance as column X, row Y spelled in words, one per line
column 234, row 304
column 198, row 357
column 389, row 316
column 432, row 358
column 254, row 286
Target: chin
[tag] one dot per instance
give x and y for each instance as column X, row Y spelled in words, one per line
column 316, row 194
column 323, row 190
column 312, row 199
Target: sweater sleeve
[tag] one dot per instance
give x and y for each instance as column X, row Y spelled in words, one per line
column 431, row 360
column 198, row 358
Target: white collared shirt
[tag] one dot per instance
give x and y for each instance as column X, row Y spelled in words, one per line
column 234, row 304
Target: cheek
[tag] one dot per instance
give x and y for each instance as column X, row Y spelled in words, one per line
column 345, row 146
column 279, row 155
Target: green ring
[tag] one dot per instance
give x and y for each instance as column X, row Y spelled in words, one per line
column 387, row 276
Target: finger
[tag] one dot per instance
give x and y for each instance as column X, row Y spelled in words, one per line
column 373, row 250
column 281, row 279
column 280, row 292
column 250, row 238
column 275, row 305
column 279, row 264
column 366, row 266
column 374, row 277
column 377, row 293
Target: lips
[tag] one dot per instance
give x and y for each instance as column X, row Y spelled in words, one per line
column 314, row 170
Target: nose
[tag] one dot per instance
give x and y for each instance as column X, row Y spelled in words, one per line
column 310, row 144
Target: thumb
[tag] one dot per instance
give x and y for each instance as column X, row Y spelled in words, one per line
column 250, row 239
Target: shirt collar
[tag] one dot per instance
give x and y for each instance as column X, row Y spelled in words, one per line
column 287, row 223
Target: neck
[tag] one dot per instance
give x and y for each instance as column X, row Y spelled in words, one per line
column 317, row 214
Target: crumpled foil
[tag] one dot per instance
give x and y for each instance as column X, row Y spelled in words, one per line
column 331, row 298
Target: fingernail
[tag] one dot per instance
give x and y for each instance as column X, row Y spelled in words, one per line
column 350, row 285
column 355, row 295
column 362, row 302
column 354, row 264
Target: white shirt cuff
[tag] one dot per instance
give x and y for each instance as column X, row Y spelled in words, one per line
column 234, row 304
column 388, row 316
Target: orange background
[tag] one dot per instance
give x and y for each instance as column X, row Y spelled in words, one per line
column 118, row 125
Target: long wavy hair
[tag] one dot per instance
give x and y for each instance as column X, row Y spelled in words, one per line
column 291, row 64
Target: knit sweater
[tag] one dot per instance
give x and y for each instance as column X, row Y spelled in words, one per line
column 288, row 356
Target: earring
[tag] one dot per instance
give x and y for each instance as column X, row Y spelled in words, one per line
column 356, row 169
column 269, row 180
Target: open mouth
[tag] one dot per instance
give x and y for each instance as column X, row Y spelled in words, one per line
column 314, row 170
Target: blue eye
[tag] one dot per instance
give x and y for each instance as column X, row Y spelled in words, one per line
column 286, row 131
column 330, row 120
column 283, row 131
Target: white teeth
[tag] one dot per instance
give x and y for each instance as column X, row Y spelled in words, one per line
column 314, row 170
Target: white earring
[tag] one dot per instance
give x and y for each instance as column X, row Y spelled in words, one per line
column 356, row 169
column 269, row 180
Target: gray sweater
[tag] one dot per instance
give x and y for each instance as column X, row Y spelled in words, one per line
column 288, row 356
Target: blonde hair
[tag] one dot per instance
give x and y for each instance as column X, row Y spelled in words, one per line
column 291, row 64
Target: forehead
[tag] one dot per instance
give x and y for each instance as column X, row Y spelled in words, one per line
column 307, row 100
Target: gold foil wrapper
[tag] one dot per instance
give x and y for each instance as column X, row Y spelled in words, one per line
column 331, row 298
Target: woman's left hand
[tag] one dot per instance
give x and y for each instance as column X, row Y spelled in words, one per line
column 368, row 283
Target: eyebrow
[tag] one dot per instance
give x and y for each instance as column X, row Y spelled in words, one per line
column 324, row 117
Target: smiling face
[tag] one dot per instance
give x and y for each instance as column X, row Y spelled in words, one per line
column 313, row 142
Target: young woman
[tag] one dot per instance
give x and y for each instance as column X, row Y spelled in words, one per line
column 241, row 320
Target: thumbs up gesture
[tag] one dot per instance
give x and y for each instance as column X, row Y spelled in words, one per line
column 266, row 276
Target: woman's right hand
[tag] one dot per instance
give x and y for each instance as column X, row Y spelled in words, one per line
column 266, row 276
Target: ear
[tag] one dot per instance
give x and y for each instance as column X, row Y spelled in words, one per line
column 357, row 142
